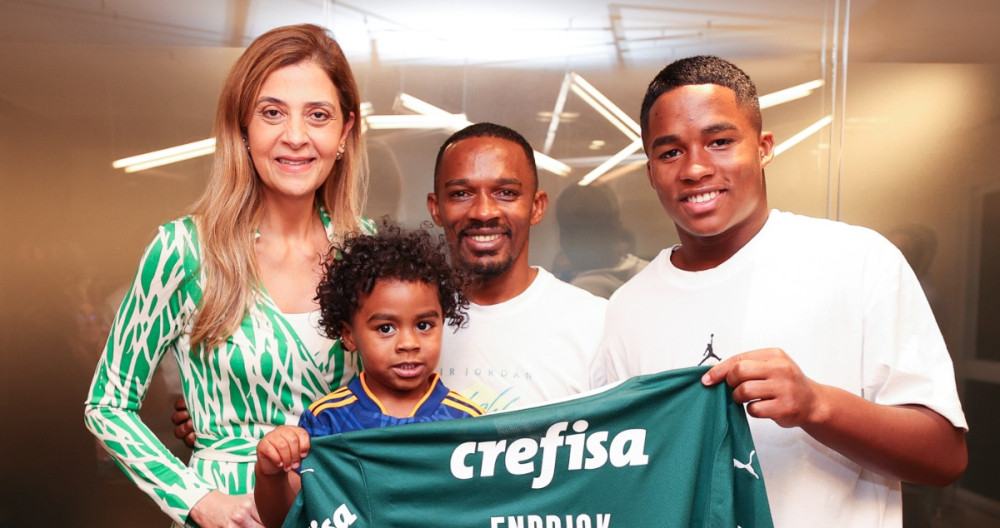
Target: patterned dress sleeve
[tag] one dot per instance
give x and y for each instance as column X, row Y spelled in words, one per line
column 368, row 226
column 152, row 317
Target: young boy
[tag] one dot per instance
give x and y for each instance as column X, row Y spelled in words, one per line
column 385, row 296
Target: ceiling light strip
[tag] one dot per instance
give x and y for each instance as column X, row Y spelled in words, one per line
column 623, row 169
column 805, row 133
column 789, row 94
column 165, row 156
column 606, row 103
column 459, row 121
column 611, row 162
column 609, row 111
column 550, row 136
column 623, row 127
column 166, row 160
column 551, row 164
column 419, row 106
column 367, row 108
column 419, row 121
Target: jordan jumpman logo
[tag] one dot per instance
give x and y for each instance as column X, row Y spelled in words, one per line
column 709, row 352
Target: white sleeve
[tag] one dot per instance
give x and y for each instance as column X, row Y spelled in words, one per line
column 906, row 361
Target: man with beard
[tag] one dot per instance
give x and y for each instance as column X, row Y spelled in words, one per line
column 530, row 337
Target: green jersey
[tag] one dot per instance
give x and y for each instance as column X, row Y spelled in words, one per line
column 658, row 450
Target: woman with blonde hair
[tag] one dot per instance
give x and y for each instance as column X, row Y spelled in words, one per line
column 230, row 290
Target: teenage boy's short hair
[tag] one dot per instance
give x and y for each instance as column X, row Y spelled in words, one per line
column 355, row 265
column 703, row 69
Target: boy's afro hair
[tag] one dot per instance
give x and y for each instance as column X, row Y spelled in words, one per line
column 354, row 266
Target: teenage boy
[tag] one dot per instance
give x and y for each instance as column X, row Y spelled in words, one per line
column 822, row 327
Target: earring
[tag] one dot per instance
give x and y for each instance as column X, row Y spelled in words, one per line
column 340, row 153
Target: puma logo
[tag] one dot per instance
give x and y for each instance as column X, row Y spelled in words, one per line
column 748, row 466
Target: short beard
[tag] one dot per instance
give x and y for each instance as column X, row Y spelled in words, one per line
column 489, row 270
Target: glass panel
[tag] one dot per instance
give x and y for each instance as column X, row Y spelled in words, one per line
column 918, row 166
column 988, row 315
column 984, row 437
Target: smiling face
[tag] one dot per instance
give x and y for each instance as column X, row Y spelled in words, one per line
column 397, row 331
column 706, row 161
column 486, row 199
column 296, row 130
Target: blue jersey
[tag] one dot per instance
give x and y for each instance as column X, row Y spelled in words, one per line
column 354, row 407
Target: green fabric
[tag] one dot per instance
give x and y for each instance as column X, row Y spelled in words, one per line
column 659, row 450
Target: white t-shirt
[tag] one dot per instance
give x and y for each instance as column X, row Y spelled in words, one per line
column 531, row 349
column 841, row 301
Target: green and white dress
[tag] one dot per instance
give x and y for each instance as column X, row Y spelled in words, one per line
column 264, row 375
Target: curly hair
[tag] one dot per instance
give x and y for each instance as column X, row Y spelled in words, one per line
column 355, row 265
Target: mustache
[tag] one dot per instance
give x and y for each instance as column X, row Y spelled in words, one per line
column 489, row 224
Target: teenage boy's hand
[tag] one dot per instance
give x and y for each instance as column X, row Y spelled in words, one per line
column 911, row 443
column 772, row 385
column 282, row 450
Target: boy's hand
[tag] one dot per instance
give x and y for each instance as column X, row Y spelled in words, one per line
column 282, row 450
column 772, row 385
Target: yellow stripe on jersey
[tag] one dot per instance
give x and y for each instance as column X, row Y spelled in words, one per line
column 333, row 405
column 457, row 401
column 337, row 398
